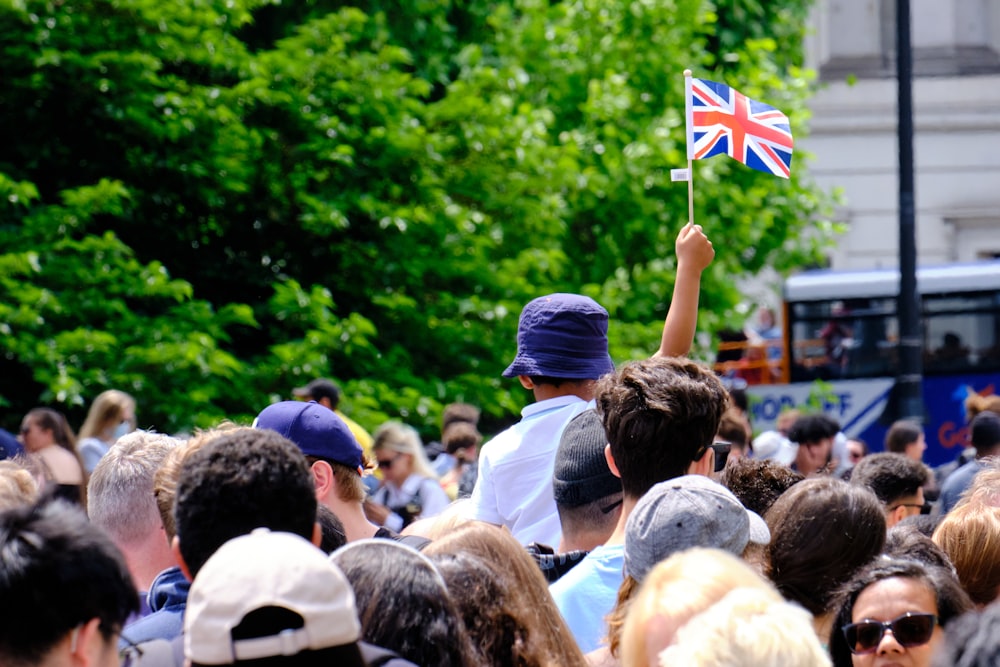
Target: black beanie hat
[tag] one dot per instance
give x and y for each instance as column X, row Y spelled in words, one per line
column 581, row 472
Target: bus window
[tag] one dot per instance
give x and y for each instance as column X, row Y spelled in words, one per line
column 843, row 339
column 960, row 332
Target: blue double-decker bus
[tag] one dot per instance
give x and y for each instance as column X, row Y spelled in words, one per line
column 840, row 346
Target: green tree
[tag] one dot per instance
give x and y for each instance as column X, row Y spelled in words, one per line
column 207, row 204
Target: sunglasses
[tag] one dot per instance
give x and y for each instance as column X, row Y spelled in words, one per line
column 908, row 630
column 722, row 450
column 386, row 464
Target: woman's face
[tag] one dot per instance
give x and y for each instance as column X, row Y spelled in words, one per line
column 395, row 466
column 887, row 600
column 34, row 436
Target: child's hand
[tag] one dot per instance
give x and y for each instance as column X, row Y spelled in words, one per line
column 694, row 250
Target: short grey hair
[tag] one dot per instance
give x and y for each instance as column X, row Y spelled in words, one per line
column 120, row 492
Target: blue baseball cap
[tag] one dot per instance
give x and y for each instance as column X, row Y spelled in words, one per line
column 562, row 336
column 317, row 431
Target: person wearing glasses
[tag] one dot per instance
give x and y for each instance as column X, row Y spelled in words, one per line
column 410, row 490
column 897, row 480
column 892, row 613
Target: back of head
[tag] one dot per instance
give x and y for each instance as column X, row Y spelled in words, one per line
column 985, row 487
column 659, row 415
column 563, row 336
column 320, row 388
column 677, row 589
column 733, row 428
column 907, row 542
column 57, row 572
column 403, row 603
column 241, row 480
column 459, row 412
column 169, row 472
column 316, row 431
column 891, row 476
column 822, row 531
column 582, row 483
column 984, row 433
column 759, row 482
column 970, row 536
column 271, row 598
column 747, row 628
column 503, row 597
column 120, row 491
column 460, row 435
column 951, row 600
column 686, row 512
column 812, row 428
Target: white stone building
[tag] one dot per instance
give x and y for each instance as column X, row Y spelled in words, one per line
column 956, row 116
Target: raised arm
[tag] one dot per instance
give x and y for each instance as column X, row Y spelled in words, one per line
column 694, row 254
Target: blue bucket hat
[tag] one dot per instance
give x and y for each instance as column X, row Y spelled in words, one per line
column 562, row 336
column 315, row 429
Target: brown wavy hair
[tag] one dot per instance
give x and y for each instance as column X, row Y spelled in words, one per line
column 503, row 599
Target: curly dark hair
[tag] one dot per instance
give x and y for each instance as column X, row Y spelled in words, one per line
column 758, row 483
column 241, row 480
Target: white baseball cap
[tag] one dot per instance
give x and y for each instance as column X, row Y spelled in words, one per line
column 269, row 569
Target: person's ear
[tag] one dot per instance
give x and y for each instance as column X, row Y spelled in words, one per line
column 323, row 478
column 175, row 545
column 86, row 643
column 325, row 402
column 526, row 382
column 611, row 461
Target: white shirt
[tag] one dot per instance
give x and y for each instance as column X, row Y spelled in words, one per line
column 514, row 488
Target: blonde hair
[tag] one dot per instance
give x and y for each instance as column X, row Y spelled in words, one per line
column 445, row 523
column 682, row 586
column 17, row 485
column 985, row 487
column 974, row 404
column 749, row 627
column 399, row 437
column 108, row 409
column 970, row 536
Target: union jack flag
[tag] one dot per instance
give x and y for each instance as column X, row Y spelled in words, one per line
column 722, row 120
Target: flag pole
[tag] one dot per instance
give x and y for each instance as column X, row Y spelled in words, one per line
column 689, row 132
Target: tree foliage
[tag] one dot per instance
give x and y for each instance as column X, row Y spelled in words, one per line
column 208, row 203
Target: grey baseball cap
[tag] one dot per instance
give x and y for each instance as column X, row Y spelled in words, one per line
column 685, row 512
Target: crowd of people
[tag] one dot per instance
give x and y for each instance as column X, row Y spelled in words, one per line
column 627, row 519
